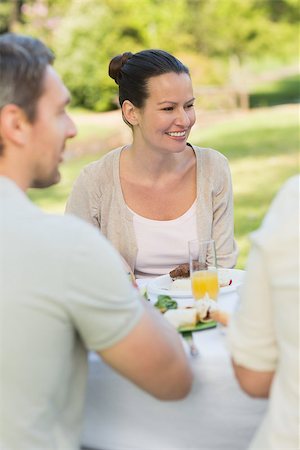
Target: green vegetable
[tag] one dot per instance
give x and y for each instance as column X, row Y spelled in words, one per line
column 164, row 302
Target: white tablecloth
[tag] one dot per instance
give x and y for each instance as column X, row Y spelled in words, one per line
column 216, row 415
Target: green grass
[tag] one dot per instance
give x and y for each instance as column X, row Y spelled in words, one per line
column 53, row 199
column 262, row 149
column 87, row 128
column 280, row 92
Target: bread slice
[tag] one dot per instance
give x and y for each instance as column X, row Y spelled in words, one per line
column 182, row 317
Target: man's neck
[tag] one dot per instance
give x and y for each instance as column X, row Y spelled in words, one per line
column 17, row 176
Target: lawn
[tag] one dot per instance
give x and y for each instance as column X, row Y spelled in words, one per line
column 286, row 90
column 262, row 149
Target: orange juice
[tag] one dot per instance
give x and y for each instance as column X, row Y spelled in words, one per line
column 205, row 282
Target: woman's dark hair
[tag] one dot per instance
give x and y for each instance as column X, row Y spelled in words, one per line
column 132, row 71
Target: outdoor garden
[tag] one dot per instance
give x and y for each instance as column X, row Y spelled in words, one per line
column 244, row 68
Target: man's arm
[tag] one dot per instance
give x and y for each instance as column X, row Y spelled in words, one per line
column 152, row 357
column 253, row 382
column 251, row 330
column 112, row 319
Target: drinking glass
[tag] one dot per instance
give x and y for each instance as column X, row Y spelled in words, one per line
column 203, row 269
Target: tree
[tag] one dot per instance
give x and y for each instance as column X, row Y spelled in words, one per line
column 218, row 37
column 243, row 28
column 94, row 31
column 10, row 13
column 239, row 31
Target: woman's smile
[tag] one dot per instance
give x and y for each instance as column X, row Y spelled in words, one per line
column 176, row 133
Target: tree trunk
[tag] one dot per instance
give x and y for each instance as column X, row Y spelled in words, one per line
column 238, row 81
column 16, row 13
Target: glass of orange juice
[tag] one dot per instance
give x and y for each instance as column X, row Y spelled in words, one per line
column 203, row 270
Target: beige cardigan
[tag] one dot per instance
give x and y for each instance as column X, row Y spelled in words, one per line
column 97, row 198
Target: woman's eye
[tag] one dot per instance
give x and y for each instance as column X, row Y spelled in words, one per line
column 168, row 108
column 190, row 106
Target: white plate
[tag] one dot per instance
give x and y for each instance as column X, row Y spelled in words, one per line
column 161, row 285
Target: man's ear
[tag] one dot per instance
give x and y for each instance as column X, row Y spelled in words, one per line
column 13, row 125
column 129, row 112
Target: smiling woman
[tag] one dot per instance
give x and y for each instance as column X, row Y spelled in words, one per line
column 165, row 191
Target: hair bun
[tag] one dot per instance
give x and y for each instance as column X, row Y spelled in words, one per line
column 116, row 64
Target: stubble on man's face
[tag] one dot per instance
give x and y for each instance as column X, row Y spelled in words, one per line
column 42, row 183
column 51, row 130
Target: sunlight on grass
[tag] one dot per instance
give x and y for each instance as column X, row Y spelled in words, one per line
column 255, row 184
column 278, row 92
column 53, row 199
column 262, row 152
column 87, row 126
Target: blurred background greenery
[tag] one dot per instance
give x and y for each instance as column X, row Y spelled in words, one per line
column 244, row 60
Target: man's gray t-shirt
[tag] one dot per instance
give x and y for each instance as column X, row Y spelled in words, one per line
column 63, row 291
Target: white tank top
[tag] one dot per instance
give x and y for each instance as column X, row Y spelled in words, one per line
column 163, row 244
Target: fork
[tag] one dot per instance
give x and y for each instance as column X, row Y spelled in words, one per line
column 190, row 341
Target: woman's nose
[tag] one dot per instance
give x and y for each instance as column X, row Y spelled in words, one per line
column 183, row 119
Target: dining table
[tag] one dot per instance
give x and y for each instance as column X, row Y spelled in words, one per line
column 216, row 414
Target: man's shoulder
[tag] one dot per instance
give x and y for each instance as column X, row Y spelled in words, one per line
column 66, row 231
column 68, row 222
column 280, row 224
column 285, row 205
column 290, row 189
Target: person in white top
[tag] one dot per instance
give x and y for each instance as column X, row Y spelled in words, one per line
column 63, row 288
column 159, row 175
column 264, row 333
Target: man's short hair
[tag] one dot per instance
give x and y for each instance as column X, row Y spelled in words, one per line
column 23, row 61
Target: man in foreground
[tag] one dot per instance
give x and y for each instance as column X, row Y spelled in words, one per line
column 63, row 289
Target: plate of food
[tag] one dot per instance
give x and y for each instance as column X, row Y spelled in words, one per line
column 177, row 286
column 186, row 320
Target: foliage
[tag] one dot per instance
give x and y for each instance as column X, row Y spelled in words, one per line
column 216, row 36
column 244, row 28
column 6, row 8
column 83, row 57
